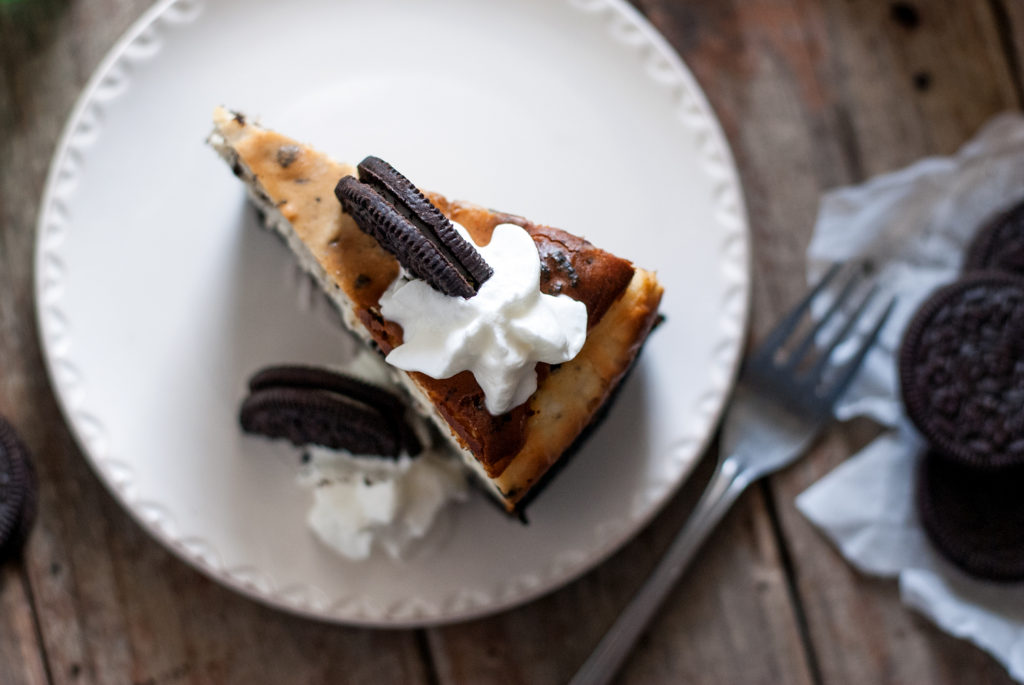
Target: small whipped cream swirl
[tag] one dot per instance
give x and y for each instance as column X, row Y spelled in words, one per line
column 500, row 334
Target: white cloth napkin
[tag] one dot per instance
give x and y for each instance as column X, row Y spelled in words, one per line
column 914, row 224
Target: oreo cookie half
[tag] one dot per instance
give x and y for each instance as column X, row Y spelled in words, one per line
column 388, row 405
column 298, row 376
column 18, row 495
column 435, row 226
column 387, row 206
column 961, row 367
column 999, row 244
column 306, row 416
column 975, row 519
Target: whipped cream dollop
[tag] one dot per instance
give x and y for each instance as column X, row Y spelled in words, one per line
column 360, row 502
column 365, row 502
column 499, row 334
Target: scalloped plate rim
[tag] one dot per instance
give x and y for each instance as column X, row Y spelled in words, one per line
column 228, row 577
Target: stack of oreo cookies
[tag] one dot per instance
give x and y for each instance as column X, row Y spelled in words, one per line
column 962, row 381
column 18, row 495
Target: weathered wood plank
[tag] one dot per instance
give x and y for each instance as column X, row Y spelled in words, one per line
column 21, row 657
column 1009, row 15
column 879, row 91
column 734, row 602
column 912, row 79
column 812, row 93
column 916, row 87
column 763, row 65
column 830, row 92
column 21, row 651
column 754, row 63
column 113, row 606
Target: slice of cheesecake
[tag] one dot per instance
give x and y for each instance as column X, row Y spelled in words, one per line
column 293, row 185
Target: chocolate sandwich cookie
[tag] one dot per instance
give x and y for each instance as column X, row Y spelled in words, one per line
column 387, row 404
column 306, row 416
column 974, row 518
column 999, row 244
column 407, row 199
column 299, row 376
column 387, row 206
column 18, row 495
column 961, row 368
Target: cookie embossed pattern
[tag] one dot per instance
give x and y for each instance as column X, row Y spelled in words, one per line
column 144, row 79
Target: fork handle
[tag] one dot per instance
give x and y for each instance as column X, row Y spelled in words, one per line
column 728, row 481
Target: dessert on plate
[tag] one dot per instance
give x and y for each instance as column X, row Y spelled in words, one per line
column 378, row 477
column 509, row 336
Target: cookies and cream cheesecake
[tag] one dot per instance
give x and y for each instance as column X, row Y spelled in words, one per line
column 510, row 336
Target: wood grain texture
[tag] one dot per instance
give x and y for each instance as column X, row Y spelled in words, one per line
column 922, row 87
column 734, row 602
column 728, row 605
column 812, row 94
column 852, row 91
column 1009, row 17
column 112, row 605
column 115, row 606
column 21, row 655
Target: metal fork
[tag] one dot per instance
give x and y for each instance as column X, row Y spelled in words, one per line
column 781, row 403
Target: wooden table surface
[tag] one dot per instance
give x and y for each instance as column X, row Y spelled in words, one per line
column 812, row 94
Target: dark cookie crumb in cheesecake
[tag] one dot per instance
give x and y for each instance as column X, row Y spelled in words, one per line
column 287, row 154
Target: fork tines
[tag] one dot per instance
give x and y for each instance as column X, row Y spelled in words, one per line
column 800, row 370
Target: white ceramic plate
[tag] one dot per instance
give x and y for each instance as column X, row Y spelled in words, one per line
column 158, row 296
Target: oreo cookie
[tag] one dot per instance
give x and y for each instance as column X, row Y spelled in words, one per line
column 961, row 367
column 306, row 416
column 999, row 244
column 974, row 518
column 18, row 492
column 309, row 405
column 298, row 376
column 407, row 199
column 386, row 403
column 387, row 206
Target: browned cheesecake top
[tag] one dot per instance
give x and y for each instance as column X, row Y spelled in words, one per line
column 516, row 448
column 569, row 265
